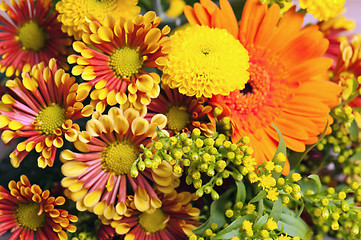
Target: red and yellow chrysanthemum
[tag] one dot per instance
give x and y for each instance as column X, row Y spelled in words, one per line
column 30, row 213
column 29, row 35
column 114, row 62
column 174, row 220
column 72, row 12
column 110, row 165
column 287, row 71
column 183, row 113
column 41, row 108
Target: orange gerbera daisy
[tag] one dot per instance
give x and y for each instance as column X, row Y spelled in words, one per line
column 116, row 63
column 174, row 220
column 30, row 213
column 30, row 34
column 287, row 72
column 43, row 107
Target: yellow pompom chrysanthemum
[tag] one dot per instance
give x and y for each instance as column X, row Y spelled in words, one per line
column 205, row 61
column 322, row 9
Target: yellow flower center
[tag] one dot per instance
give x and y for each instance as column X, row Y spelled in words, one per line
column 206, row 61
column 32, row 36
column 153, row 222
column 177, row 118
column 27, row 216
column 118, row 157
column 126, row 62
column 50, row 118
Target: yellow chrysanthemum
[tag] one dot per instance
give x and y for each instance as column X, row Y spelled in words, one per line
column 322, row 9
column 109, row 165
column 72, row 12
column 204, row 61
column 119, row 58
column 28, row 212
column 174, row 220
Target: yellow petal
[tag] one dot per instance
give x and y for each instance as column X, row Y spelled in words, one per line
column 81, row 146
column 67, row 181
column 139, row 126
column 58, row 142
column 156, row 202
column 7, row 136
column 109, row 212
column 163, row 170
column 87, row 111
column 111, row 98
column 77, row 196
column 121, row 125
column 144, row 83
column 30, row 84
column 30, row 146
column 77, row 70
column 7, row 99
column 123, row 228
column 92, row 198
column 87, row 53
column 73, row 168
column 76, row 186
column 99, row 207
column 15, row 162
column 160, row 120
column 80, row 206
column 101, row 84
column 94, row 127
column 4, row 121
column 141, row 199
column 121, row 208
column 89, row 75
column 79, row 46
column 105, row 33
column 121, row 97
column 152, row 36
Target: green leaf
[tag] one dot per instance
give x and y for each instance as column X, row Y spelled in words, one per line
column 280, row 149
column 296, row 157
column 241, row 192
column 217, row 211
column 293, row 226
column 276, row 210
column 260, row 209
column 261, row 195
column 260, row 222
column 354, row 130
column 316, row 178
column 355, row 157
column 233, row 229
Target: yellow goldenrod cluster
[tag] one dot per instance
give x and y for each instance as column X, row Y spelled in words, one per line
column 214, row 158
column 335, row 212
column 269, row 179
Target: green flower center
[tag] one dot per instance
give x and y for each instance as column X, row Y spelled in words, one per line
column 50, row 118
column 118, row 157
column 27, row 216
column 177, row 118
column 153, row 222
column 32, row 36
column 126, row 62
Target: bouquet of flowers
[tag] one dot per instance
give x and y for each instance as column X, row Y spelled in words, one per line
column 173, row 119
